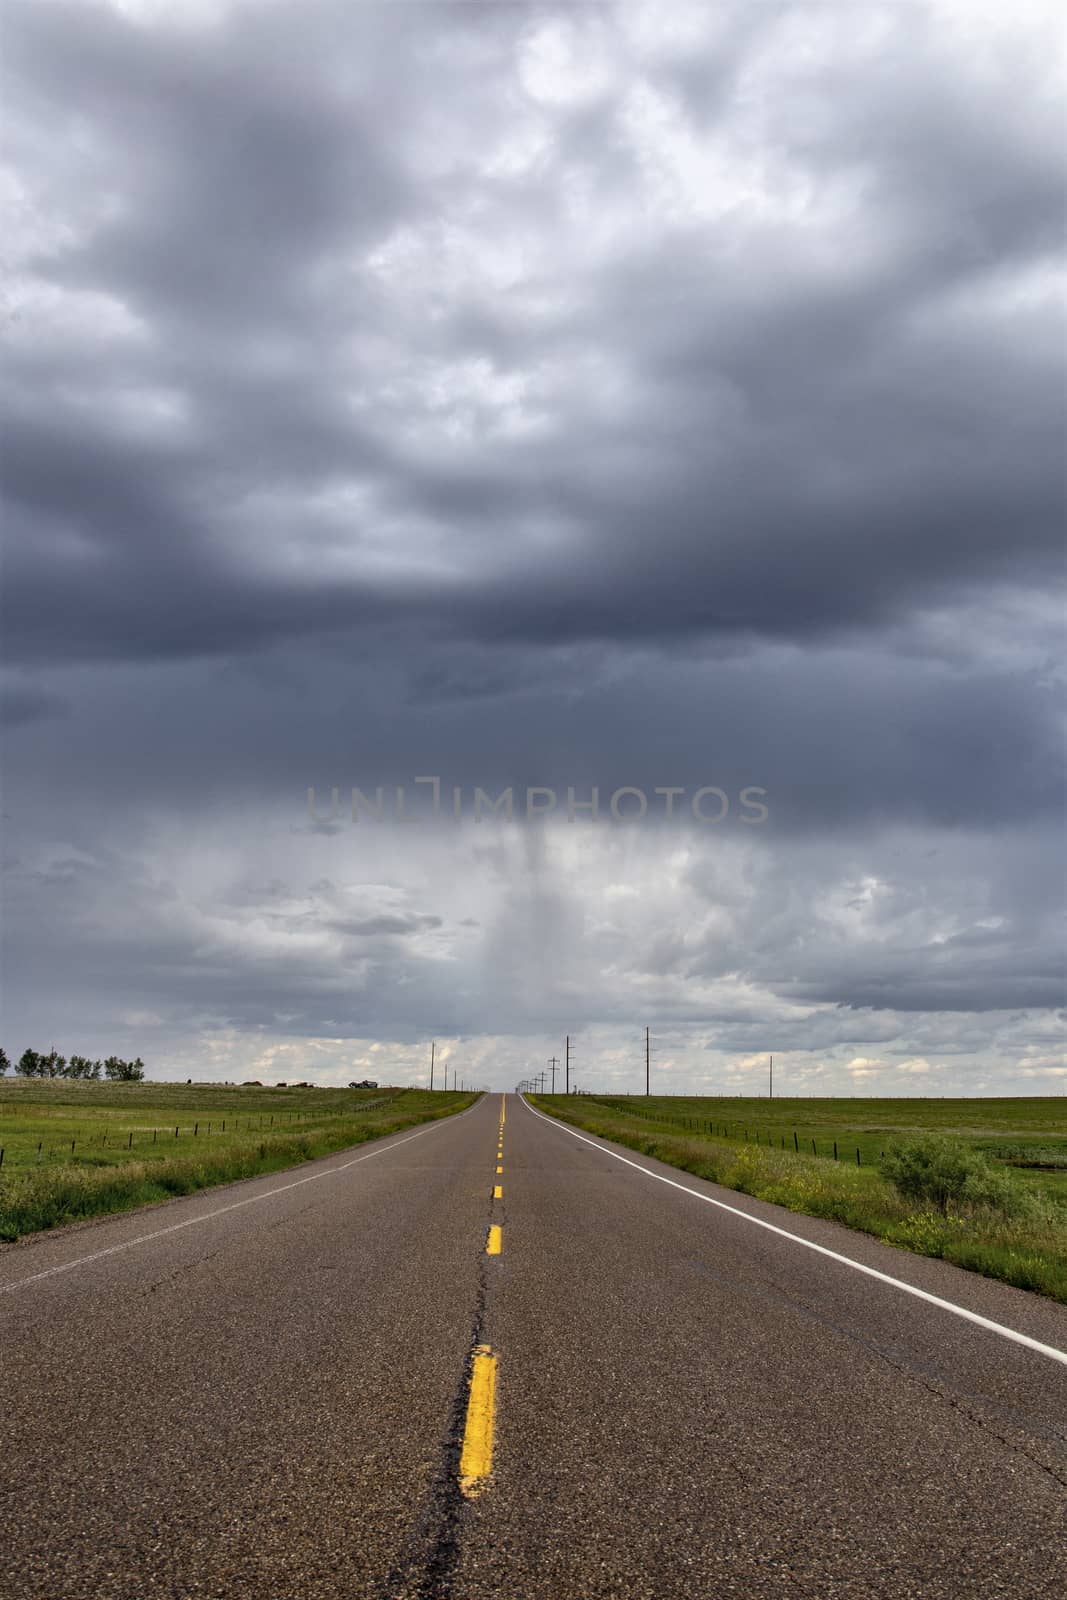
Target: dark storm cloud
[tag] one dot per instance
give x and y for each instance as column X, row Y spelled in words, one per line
column 839, row 739
column 791, row 455
column 18, row 706
column 368, row 926
column 536, row 395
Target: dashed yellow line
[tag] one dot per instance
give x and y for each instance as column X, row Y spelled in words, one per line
column 476, row 1458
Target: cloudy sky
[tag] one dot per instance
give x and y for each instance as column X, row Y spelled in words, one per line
column 536, row 397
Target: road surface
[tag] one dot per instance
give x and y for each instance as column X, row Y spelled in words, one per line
column 264, row 1392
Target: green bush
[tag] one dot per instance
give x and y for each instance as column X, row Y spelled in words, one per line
column 951, row 1175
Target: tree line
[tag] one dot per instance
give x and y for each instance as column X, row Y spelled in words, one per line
column 33, row 1064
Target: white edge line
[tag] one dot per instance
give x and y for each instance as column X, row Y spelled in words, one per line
column 858, row 1266
column 220, row 1211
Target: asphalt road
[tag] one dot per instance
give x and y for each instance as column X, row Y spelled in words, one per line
column 264, row 1392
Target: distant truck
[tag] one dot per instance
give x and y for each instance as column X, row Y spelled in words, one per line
column 364, row 1083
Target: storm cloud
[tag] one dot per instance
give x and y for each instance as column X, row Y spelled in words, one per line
column 560, row 395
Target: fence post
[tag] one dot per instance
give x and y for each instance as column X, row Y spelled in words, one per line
column 1, row 1155
column 813, row 1149
column 835, row 1149
column 796, row 1146
column 196, row 1130
column 857, row 1156
column 129, row 1142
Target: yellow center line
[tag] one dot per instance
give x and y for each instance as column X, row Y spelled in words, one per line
column 498, row 1191
column 476, row 1458
column 500, row 1169
column 494, row 1243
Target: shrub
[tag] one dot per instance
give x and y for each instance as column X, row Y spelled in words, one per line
column 947, row 1173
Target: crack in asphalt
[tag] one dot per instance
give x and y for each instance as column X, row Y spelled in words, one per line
column 426, row 1571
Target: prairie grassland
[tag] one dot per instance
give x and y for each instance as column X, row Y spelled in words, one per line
column 749, row 1145
column 75, row 1149
column 1027, row 1133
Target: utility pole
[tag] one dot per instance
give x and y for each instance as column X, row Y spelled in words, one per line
column 553, row 1062
column 648, row 1052
column 567, row 1058
column 433, row 1048
column 770, row 1084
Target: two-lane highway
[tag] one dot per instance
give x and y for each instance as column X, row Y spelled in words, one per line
column 493, row 1359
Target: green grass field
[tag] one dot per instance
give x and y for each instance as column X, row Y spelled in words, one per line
column 1028, row 1134
column 75, row 1149
column 783, row 1151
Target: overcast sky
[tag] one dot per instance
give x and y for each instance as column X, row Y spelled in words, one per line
column 536, row 397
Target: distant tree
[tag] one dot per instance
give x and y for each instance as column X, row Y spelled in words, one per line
column 30, row 1064
column 52, row 1065
column 124, row 1071
column 4, row 1062
column 79, row 1067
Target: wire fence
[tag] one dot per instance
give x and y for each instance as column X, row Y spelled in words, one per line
column 117, row 1138
column 740, row 1133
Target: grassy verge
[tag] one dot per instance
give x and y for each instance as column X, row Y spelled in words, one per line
column 1027, row 1133
column 1028, row 1251
column 101, row 1179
